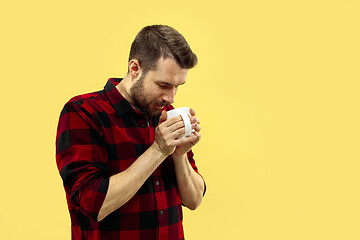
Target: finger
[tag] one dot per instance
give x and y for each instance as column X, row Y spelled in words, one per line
column 196, row 127
column 173, row 120
column 189, row 139
column 176, row 126
column 195, row 120
column 163, row 117
column 198, row 137
column 192, row 112
column 177, row 133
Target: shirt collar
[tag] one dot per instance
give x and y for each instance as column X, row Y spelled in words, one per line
column 121, row 105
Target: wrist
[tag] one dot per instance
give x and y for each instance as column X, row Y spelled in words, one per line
column 179, row 156
column 157, row 149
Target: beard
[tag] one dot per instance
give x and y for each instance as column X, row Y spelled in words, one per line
column 142, row 103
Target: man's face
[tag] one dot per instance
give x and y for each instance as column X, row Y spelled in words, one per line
column 150, row 93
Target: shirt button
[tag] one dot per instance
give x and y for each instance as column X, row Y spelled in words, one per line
column 157, row 183
column 161, row 212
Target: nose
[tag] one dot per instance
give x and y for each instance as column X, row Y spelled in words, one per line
column 169, row 96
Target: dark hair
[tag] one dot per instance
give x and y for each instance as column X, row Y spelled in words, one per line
column 156, row 41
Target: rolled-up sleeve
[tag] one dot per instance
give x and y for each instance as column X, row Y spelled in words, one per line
column 81, row 158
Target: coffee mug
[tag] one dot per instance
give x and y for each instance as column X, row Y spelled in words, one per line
column 184, row 112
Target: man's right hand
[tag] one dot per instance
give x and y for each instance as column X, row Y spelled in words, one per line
column 167, row 134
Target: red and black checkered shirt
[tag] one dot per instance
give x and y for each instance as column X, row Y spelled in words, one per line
column 100, row 134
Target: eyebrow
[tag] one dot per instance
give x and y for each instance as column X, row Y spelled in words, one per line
column 166, row 83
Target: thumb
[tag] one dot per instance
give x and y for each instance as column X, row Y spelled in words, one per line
column 163, row 117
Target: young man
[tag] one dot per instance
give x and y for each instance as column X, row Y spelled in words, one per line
column 125, row 170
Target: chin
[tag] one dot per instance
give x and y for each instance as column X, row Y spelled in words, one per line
column 155, row 112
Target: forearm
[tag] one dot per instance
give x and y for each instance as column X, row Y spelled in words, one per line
column 190, row 183
column 124, row 185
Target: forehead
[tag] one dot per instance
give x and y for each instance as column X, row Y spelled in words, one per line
column 168, row 71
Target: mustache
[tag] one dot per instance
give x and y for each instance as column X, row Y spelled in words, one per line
column 162, row 103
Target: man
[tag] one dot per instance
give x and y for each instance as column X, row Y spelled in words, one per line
column 125, row 170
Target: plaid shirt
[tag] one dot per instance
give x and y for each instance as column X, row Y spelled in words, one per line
column 100, row 134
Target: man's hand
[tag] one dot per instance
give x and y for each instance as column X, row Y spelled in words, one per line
column 195, row 124
column 168, row 132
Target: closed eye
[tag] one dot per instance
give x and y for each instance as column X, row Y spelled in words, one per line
column 165, row 86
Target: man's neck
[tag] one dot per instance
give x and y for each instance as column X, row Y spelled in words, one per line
column 124, row 89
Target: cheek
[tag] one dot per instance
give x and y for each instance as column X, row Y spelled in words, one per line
column 156, row 93
column 154, row 97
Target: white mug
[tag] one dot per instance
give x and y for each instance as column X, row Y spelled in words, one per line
column 184, row 112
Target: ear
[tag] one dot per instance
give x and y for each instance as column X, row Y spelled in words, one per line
column 134, row 69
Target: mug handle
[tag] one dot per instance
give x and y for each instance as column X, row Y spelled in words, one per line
column 187, row 123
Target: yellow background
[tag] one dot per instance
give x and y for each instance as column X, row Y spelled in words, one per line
column 276, row 89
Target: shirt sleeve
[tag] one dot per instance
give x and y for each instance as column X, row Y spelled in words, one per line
column 81, row 158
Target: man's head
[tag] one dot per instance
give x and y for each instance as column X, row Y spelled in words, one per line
column 158, row 63
column 161, row 41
